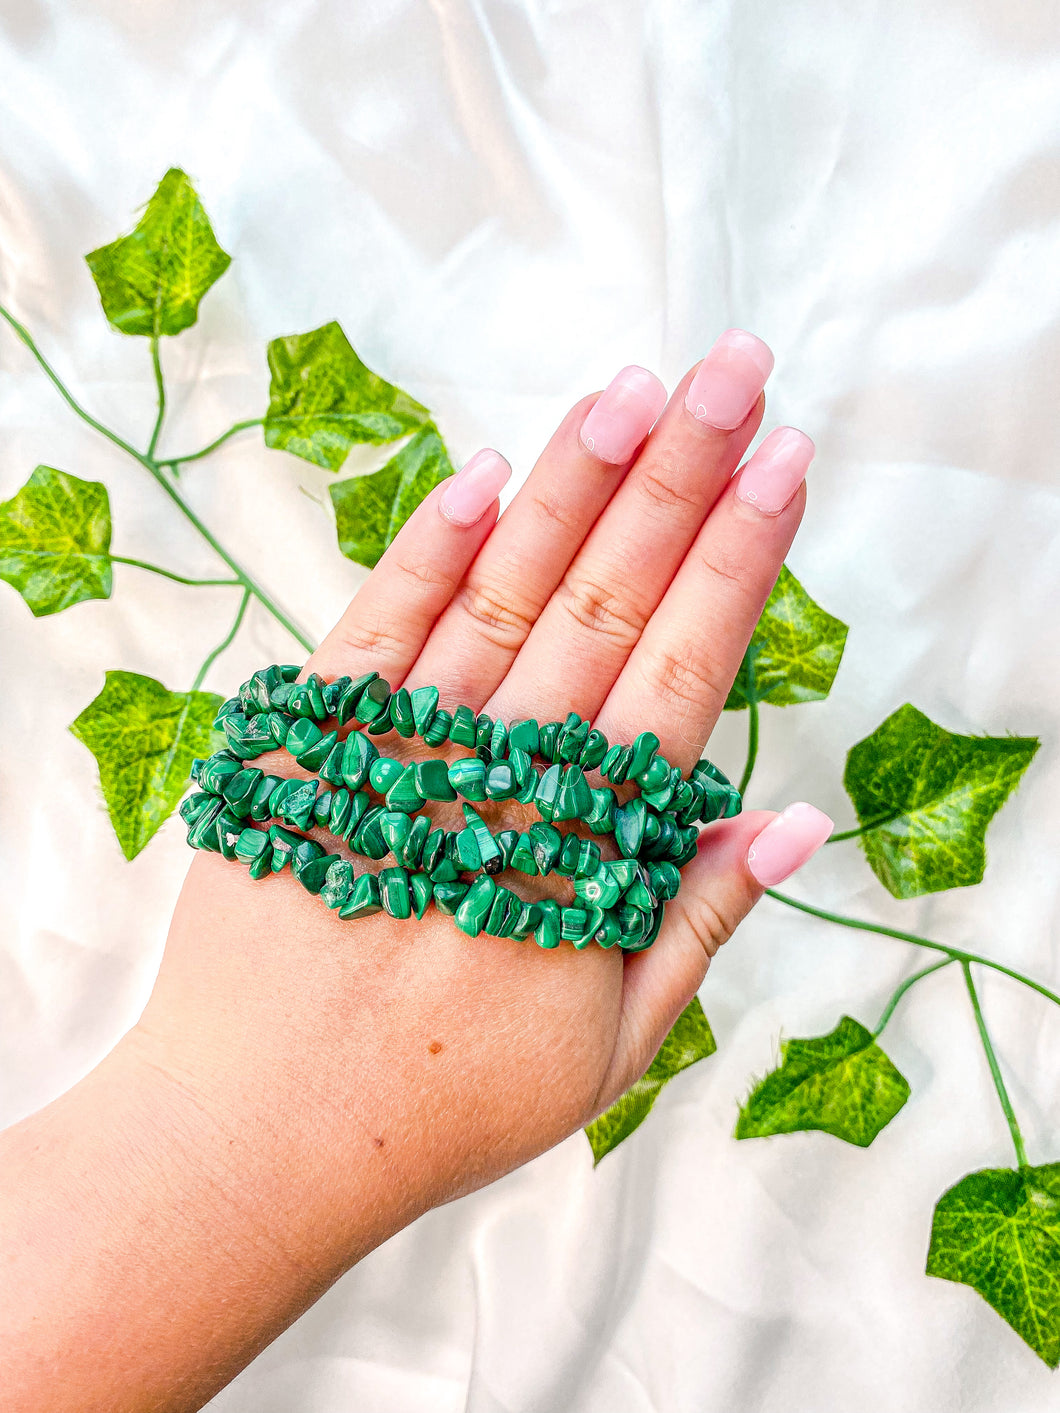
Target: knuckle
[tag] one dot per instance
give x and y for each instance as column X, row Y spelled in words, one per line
column 685, row 677
column 424, row 577
column 594, row 606
column 371, row 639
column 717, row 563
column 555, row 512
column 662, row 485
column 499, row 616
column 710, row 925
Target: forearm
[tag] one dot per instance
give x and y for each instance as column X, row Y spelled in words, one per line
column 152, row 1247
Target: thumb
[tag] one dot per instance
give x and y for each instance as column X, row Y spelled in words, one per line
column 736, row 861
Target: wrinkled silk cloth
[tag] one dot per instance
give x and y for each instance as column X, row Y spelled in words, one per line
column 503, row 204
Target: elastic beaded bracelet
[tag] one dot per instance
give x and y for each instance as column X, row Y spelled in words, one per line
column 620, row 902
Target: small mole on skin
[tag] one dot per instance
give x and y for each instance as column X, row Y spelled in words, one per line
column 434, row 1046
column 379, row 1142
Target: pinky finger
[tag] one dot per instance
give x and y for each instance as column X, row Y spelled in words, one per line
column 390, row 616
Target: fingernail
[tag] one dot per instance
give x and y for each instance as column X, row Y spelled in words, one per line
column 775, row 472
column 729, row 379
column 474, row 488
column 623, row 414
column 787, row 842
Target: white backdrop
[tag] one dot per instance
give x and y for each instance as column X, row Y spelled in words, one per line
column 503, row 204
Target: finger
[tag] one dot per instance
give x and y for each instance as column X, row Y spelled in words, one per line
column 614, row 584
column 394, row 610
column 509, row 583
column 737, row 859
column 679, row 674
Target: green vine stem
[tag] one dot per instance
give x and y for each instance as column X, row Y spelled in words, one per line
column 219, row 649
column 903, row 987
column 175, row 461
column 862, row 828
column 168, row 573
column 752, row 722
column 148, row 461
column 956, row 954
column 161, row 385
column 995, row 1070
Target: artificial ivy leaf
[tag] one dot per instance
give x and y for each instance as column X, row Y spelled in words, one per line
column 797, row 649
column 323, row 400
column 55, row 541
column 151, row 280
column 842, row 1083
column 998, row 1230
column 928, row 796
column 370, row 510
column 144, row 739
column 689, row 1040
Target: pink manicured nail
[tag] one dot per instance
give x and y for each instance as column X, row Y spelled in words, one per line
column 787, row 842
column 623, row 414
column 729, row 379
column 474, row 488
column 776, row 470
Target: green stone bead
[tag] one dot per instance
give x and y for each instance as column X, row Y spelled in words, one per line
column 529, row 920
column 384, row 774
column 658, row 799
column 594, row 919
column 315, row 756
column 572, row 924
column 576, row 793
column 303, row 734
column 506, row 840
column 280, row 696
column 548, row 734
column 421, row 889
column 547, row 844
column 262, row 865
column 251, row 844
column 500, row 781
column 644, row 747
column 196, row 805
column 462, row 731
column 498, row 741
column 547, row 932
column 571, row 740
column 633, row 926
column 523, row 856
column 279, row 796
column 316, row 685
column 483, row 729
column 358, row 753
column 305, row 852
column 601, row 818
column 608, row 933
column 364, row 899
column 322, row 809
column 654, row 774
column 259, row 805
column 238, row 790
column 432, row 781
column 610, row 759
column 298, row 806
column 350, row 695
column 255, row 695
column 601, row 889
column 734, row 805
column 395, row 828
column 525, row 736
column 467, row 850
column 618, row 770
column 639, row 894
column 623, row 871
column 568, row 855
column 332, row 693
column 232, row 705
column 412, row 852
column 651, row 829
column 528, row 793
column 424, row 706
column 548, row 791
column 522, row 767
column 445, row 871
column 396, row 892
column 403, row 794
column 468, row 778
column 369, row 839
column 331, row 769
column 438, row 731
column 665, row 880
column 498, row 916
column 684, row 855
column 373, row 701
column 359, row 806
column 449, row 896
column 382, row 724
column 593, row 751
column 338, row 884
column 203, row 833
column 629, row 827
column 668, row 838
column 283, row 844
column 492, row 860
column 313, row 874
column 433, row 850
column 289, row 671
column 707, row 770
column 684, row 794
column 401, row 713
column 475, row 907
column 588, row 859
column 278, row 724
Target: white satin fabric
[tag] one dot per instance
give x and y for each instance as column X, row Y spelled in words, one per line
column 503, row 204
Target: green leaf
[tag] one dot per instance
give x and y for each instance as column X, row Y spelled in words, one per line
column 689, row 1040
column 323, row 400
column 842, row 1083
column 55, row 541
column 144, row 739
column 370, row 510
column 998, row 1230
column 925, row 797
column 797, row 649
column 151, row 280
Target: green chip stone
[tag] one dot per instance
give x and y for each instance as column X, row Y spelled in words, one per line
column 278, row 724
column 573, row 922
column 523, row 856
column 331, row 769
column 251, row 844
column 506, row 840
column 373, row 701
column 547, row 933
column 654, row 774
column 303, row 734
column 601, row 818
column 395, row 891
column 369, row 839
column 322, row 809
column 401, row 713
column 500, row 912
column 492, row 860
column 445, row 871
column 359, row 806
column 196, row 805
column 259, row 805
column 463, row 730
column 467, row 851
column 574, row 799
column 571, row 741
column 384, row 774
column 500, row 781
column 547, row 791
column 475, row 907
column 283, row 844
column 238, row 790
column 350, row 695
column 298, row 805
column 395, row 828
column 528, row 920
column 707, row 770
column 483, row 729
column 608, row 933
column 313, row 874
column 546, row 842
column 403, row 795
column 498, row 741
column 338, row 884
column 438, row 731
column 315, row 756
column 644, row 747
column 358, row 753
column 421, row 888
column 216, row 770
column 665, row 880
column 432, row 781
column 433, row 850
column 629, row 827
column 639, row 893
column 424, row 706
column 522, row 766
column 364, row 899
column 567, row 862
column 615, row 765
column 412, row 853
column 525, row 736
column 468, row 778
column 593, row 751
column 449, row 896
column 341, row 805
column 548, row 734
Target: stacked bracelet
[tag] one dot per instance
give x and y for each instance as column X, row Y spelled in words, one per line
column 373, row 803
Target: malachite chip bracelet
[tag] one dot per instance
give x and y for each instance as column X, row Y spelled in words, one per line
column 373, row 804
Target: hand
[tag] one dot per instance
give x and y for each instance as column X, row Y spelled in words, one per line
column 300, row 1087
